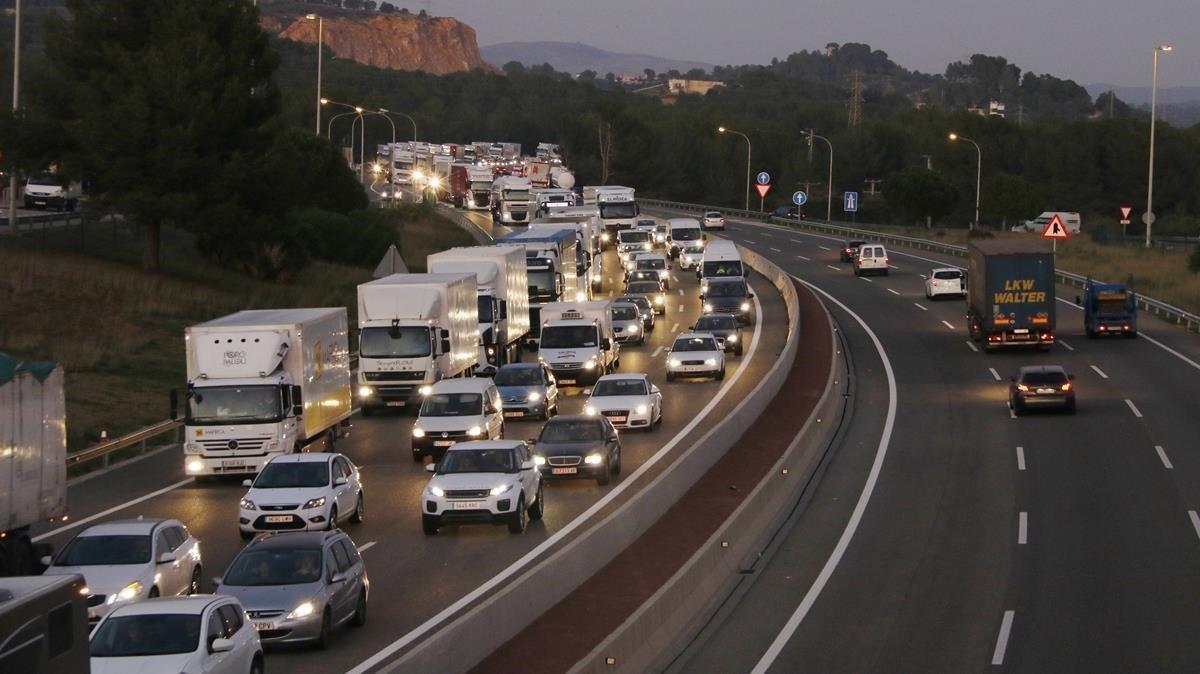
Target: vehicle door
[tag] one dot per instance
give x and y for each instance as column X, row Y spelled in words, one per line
column 214, row 628
column 357, row 572
column 344, row 493
column 184, row 547
column 493, row 416
column 528, row 478
column 551, row 387
column 341, row 597
column 612, row 442
column 237, row 630
column 169, row 573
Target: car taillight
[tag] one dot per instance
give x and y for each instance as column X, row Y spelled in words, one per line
column 1066, row 386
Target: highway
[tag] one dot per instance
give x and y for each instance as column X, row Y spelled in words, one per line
column 962, row 538
column 414, row 577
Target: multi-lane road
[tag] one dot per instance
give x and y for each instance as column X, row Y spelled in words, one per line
column 949, row 535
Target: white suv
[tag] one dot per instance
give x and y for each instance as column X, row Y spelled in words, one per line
column 872, row 258
column 945, row 281
column 486, row 480
column 696, row 354
column 301, row 492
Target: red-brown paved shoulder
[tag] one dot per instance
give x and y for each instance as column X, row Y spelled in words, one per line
column 572, row 628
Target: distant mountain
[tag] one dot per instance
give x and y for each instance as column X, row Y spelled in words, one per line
column 1141, row 95
column 573, row 57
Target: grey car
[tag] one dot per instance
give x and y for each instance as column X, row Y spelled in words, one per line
column 299, row 586
column 527, row 390
column 725, row 328
column 627, row 323
column 578, row 446
column 644, row 308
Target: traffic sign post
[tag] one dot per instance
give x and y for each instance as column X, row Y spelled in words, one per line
column 1125, row 211
column 763, row 178
column 1055, row 230
column 762, row 188
column 799, row 198
column 850, row 202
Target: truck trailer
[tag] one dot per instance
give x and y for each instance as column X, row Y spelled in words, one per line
column 1010, row 293
column 1109, row 308
column 503, row 294
column 262, row 383
column 551, row 261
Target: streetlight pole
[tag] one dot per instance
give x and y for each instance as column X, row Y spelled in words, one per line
column 414, row 122
column 362, row 148
column 829, row 197
column 320, row 40
column 12, row 171
column 978, row 172
column 329, row 126
column 1148, row 216
column 725, row 129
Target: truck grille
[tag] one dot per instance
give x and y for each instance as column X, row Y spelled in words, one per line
column 418, row 375
column 233, row 444
column 566, row 366
column 466, row 493
column 563, row 460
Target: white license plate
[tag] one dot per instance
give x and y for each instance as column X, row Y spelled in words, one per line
column 617, row 420
column 274, row 519
column 517, row 413
column 442, row 443
column 469, row 505
column 396, row 403
column 566, row 381
column 563, row 471
column 263, row 626
column 233, row 463
column 1045, row 390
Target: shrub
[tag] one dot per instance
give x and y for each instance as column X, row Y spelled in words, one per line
column 1194, row 262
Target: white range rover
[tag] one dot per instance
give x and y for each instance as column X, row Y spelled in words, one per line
column 492, row 481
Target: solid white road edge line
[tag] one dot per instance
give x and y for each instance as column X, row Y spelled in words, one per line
column 105, row 513
column 1195, row 521
column 995, row 374
column 1162, row 454
column 1020, row 458
column 1022, row 528
column 835, row 557
column 519, row 565
column 1002, row 638
column 1133, row 408
column 1099, row 372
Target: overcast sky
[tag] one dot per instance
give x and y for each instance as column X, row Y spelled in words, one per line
column 1089, row 41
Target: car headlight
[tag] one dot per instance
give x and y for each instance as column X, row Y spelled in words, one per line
column 592, row 459
column 418, row 433
column 662, row 273
column 674, row 362
column 660, row 238
column 365, row 391
column 658, row 299
column 534, row 396
column 633, row 329
column 314, row 503
column 596, row 278
column 128, row 593
column 474, row 431
column 590, row 411
column 646, row 246
column 604, row 236
column 745, row 306
column 731, row 338
column 426, row 390
column 707, row 306
column 496, row 491
column 710, row 361
column 195, row 466
column 192, row 448
column 304, row 610
column 539, row 460
column 590, row 364
column 641, row 409
column 437, row 491
column 247, row 504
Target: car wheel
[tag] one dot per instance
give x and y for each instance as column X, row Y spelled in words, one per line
column 359, row 510
column 602, row 479
column 535, row 513
column 246, row 535
column 256, row 667
column 518, row 518
column 430, row 524
column 360, row 610
column 721, row 375
column 153, row 592
column 616, row 465
column 333, row 516
column 322, row 641
column 194, row 585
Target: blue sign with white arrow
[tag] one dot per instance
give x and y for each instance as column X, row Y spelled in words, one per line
column 850, row 202
column 763, row 178
column 799, row 198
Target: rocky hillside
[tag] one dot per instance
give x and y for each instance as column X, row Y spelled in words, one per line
column 437, row 45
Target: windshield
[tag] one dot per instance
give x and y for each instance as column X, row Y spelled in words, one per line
column 452, row 405
column 105, row 550
column 143, row 635
column 716, row 323
column 641, row 303
column 274, row 566
column 625, row 313
column 619, row 387
column 722, row 268
column 45, row 181
column 623, row 209
column 542, row 282
column 947, row 274
column 1111, row 307
column 481, row 185
column 712, row 214
column 572, row 430
column 694, row 344
column 290, row 475
column 651, row 263
column 400, row 342
column 633, row 236
column 518, row 376
column 644, row 275
column 693, row 250
column 726, row 290
column 1043, row 378
column 643, row 287
column 235, row 403
column 686, row 234
column 569, row 336
column 486, row 306
column 478, row 461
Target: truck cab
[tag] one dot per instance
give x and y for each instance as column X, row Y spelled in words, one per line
column 511, row 200
column 550, row 277
column 1109, row 308
column 577, row 341
column 618, row 208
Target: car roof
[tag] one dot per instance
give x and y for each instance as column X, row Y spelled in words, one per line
column 144, row 525
column 564, row 418
column 521, row 366
column 712, row 212
column 462, row 385
column 937, row 269
column 304, row 457
column 292, row 540
column 649, row 256
column 485, row 444
column 190, row 605
column 729, row 317
column 1042, row 369
column 851, row 242
column 617, row 377
column 694, row 335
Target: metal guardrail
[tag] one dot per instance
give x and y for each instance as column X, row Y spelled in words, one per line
column 1162, row 310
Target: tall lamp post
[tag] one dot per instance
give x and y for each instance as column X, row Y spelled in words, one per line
column 12, row 171
column 725, row 129
column 387, row 112
column 978, row 171
column 1148, row 216
column 362, row 147
column 320, row 40
column 829, row 197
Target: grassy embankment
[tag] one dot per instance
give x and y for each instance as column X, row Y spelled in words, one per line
column 79, row 298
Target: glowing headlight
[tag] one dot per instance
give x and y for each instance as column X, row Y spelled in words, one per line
column 365, row 391
column 658, row 299
column 592, row 459
column 581, row 296
column 247, row 504
column 418, row 433
column 662, row 273
column 633, row 329
column 674, row 362
column 732, row 339
column 641, row 409
column 590, row 364
column 604, row 236
column 426, row 390
column 745, row 306
column 539, row 460
column 496, row 491
column 710, row 361
column 127, row 593
column 660, row 238
column 302, row 611
column 475, row 431
column 418, row 176
column 646, row 246
column 534, row 396
column 195, row 466
column 437, row 491
column 313, row 503
column 707, row 306
column 596, row 278
column 590, row 411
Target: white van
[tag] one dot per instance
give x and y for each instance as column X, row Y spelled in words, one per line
column 872, row 258
column 457, row 410
column 683, row 232
column 1037, row 225
column 721, row 259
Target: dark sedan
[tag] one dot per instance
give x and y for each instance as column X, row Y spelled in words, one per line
column 578, row 446
column 850, row 250
column 1040, row 386
column 725, row 328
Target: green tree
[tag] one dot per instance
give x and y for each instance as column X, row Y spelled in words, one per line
column 916, row 193
column 1008, row 196
column 155, row 99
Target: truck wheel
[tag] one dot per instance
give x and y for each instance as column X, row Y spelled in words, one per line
column 518, row 518
column 331, row 437
column 430, row 524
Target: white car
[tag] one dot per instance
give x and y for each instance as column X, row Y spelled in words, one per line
column 126, row 560
column 690, row 257
column 302, row 492
column 626, row 400
column 204, row 633
column 455, row 410
column 945, row 281
column 696, row 354
column 656, row 262
column 491, row 481
column 871, row 258
column 713, row 220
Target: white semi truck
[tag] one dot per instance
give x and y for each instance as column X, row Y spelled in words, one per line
column 552, row 262
column 618, row 208
column 414, row 330
column 261, row 383
column 577, row 341
column 512, row 202
column 503, row 295
column 585, row 222
column 33, row 455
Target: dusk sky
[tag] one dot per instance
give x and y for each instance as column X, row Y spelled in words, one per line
column 1090, row 41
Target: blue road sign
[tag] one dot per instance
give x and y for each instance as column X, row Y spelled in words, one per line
column 850, row 201
column 799, row 198
column 763, row 178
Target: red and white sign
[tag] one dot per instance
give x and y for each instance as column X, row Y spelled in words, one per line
column 1125, row 211
column 762, row 190
column 1055, row 229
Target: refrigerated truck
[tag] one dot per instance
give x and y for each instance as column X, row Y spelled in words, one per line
column 618, row 208
column 511, row 201
column 33, row 454
column 578, row 343
column 262, row 383
column 502, row 287
column 414, row 330
column 551, row 261
column 1010, row 293
column 584, row 221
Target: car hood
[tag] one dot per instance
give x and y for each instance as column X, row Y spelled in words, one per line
column 139, row 664
column 519, row 392
column 285, row 496
column 273, row 597
column 617, row 402
column 568, row 448
column 104, row 579
column 727, row 301
column 472, row 480
column 456, row 424
column 694, row 355
column 719, row 334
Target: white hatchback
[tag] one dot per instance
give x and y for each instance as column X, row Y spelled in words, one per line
column 872, row 258
column 626, row 400
column 302, row 492
column 945, row 281
column 696, row 354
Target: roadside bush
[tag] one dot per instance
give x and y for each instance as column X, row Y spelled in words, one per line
column 261, row 246
column 1194, row 262
column 359, row 238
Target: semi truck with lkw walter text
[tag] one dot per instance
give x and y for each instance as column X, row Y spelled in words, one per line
column 414, row 330
column 1010, row 293
column 503, row 296
column 261, row 383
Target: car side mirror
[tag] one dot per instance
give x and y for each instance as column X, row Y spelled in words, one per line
column 503, row 309
column 445, row 346
column 526, row 465
column 530, row 441
column 247, row 483
column 166, row 558
column 220, row 645
column 339, row 577
column 339, row 482
column 174, row 404
column 430, row 468
column 46, row 560
column 297, row 401
column 654, row 388
column 216, row 581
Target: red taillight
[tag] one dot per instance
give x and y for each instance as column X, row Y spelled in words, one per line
column 1046, row 336
column 993, row 338
column 1125, row 328
column 1102, row 328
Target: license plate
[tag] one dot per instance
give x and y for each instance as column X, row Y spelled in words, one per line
column 563, row 471
column 263, row 626
column 442, row 443
column 39, row 203
column 469, row 505
column 1045, row 390
column 396, row 403
column 275, row 519
column 566, row 381
column 233, row 463
column 617, row 420
column 517, row 413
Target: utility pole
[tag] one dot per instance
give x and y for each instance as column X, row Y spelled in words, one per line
column 872, row 182
column 856, row 97
column 12, row 171
column 829, row 194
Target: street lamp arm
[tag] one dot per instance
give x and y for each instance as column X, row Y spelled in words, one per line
column 410, row 119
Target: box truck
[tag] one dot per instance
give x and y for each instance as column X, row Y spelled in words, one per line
column 511, row 201
column 585, row 222
column 502, row 287
column 577, row 341
column 414, row 330
column 261, row 383
column 1010, row 293
column 618, row 208
column 551, row 262
column 33, row 455
column 44, row 625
